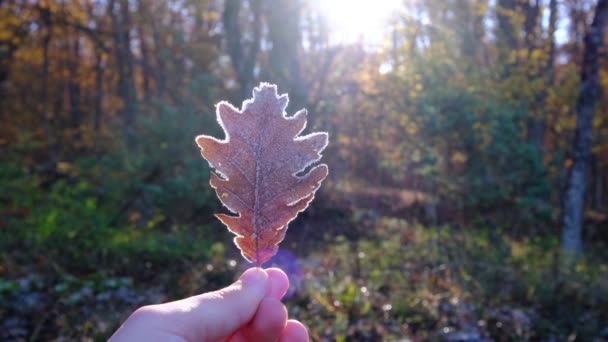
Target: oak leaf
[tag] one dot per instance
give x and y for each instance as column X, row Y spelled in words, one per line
column 258, row 169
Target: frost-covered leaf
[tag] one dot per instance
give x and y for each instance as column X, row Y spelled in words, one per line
column 258, row 168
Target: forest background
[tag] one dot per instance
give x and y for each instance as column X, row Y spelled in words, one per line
column 468, row 191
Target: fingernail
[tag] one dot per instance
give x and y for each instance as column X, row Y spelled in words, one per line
column 256, row 278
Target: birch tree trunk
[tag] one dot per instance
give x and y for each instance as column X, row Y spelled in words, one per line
column 589, row 92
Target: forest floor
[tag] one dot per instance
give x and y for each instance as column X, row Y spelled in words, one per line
column 418, row 283
column 362, row 275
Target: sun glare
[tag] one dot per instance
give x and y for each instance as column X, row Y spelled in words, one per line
column 363, row 21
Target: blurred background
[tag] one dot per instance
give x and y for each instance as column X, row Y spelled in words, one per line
column 468, row 191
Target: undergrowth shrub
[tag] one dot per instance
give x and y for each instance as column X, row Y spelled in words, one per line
column 490, row 171
column 152, row 201
column 427, row 282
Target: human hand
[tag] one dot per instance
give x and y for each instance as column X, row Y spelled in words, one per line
column 248, row 310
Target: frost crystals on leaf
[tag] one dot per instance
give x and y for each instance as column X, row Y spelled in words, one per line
column 256, row 167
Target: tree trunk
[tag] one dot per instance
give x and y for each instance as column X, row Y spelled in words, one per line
column 160, row 70
column 578, row 18
column 243, row 53
column 468, row 12
column 506, row 33
column 144, row 50
column 45, row 16
column 589, row 92
column 536, row 124
column 98, row 99
column 74, row 89
column 124, row 60
column 284, row 57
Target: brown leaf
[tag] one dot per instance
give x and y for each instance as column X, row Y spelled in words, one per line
column 257, row 165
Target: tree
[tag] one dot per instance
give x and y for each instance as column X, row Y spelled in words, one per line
column 589, row 92
column 243, row 48
column 121, row 24
column 284, row 65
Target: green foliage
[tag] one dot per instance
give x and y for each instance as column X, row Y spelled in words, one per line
column 125, row 203
column 417, row 280
column 165, row 167
column 480, row 158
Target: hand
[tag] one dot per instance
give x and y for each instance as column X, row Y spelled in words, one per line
column 248, row 310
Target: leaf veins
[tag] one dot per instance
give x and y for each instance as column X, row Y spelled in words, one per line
column 256, row 167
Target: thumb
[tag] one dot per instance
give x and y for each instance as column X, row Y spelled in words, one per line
column 216, row 315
